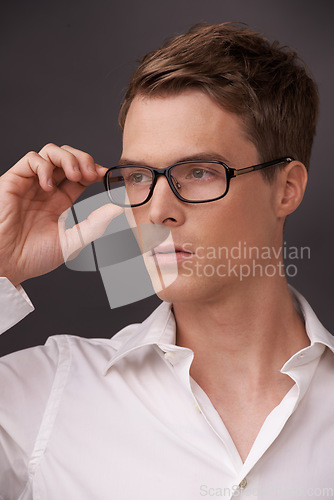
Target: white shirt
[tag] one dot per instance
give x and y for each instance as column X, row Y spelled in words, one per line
column 121, row 419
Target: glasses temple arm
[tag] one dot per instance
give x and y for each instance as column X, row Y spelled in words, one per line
column 241, row 171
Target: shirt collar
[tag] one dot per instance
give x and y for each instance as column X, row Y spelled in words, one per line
column 315, row 331
column 160, row 329
column 301, row 367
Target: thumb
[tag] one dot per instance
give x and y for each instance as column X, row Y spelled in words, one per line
column 73, row 240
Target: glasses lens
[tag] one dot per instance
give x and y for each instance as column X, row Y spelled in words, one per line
column 129, row 185
column 199, row 181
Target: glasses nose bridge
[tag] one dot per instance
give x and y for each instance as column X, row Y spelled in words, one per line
column 164, row 173
column 161, row 171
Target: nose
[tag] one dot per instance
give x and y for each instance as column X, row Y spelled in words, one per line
column 164, row 207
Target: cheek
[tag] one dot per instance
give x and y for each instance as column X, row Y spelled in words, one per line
column 256, row 218
column 245, row 216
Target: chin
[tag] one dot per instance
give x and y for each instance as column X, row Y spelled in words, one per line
column 186, row 290
column 178, row 284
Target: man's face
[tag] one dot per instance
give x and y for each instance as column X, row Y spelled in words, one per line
column 164, row 130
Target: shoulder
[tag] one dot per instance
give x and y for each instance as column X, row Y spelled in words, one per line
column 28, row 376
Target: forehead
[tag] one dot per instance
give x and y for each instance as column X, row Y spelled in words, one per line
column 166, row 128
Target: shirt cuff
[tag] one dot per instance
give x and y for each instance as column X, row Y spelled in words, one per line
column 14, row 304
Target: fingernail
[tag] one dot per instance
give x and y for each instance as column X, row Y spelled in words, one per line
column 76, row 168
column 50, row 183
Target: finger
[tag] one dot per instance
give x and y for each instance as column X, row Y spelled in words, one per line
column 85, row 161
column 33, row 164
column 74, row 190
column 58, row 176
column 100, row 172
column 44, row 166
column 62, row 159
column 75, row 239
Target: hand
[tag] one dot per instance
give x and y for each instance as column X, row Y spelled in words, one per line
column 33, row 195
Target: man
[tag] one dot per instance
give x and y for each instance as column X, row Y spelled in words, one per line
column 225, row 390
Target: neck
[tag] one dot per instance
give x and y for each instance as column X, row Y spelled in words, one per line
column 248, row 333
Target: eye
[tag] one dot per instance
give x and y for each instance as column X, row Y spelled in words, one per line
column 137, row 177
column 199, row 173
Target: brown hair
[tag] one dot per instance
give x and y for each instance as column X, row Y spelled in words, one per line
column 267, row 85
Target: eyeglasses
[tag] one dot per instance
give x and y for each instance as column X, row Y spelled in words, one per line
column 191, row 181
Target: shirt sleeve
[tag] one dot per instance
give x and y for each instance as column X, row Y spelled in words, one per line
column 14, row 304
column 27, row 378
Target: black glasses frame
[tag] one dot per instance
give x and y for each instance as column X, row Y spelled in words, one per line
column 230, row 174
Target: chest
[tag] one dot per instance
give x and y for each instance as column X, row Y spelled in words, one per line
column 133, row 439
column 244, row 415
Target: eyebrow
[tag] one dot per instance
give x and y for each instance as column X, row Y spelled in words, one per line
column 197, row 157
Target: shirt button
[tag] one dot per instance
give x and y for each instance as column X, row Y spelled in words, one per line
column 243, row 484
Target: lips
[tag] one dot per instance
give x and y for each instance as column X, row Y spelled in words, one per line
column 169, row 249
column 170, row 255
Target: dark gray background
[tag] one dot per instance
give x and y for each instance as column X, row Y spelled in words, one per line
column 64, row 68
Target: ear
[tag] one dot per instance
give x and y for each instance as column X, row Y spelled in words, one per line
column 292, row 182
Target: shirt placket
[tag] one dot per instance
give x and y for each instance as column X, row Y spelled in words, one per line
column 180, row 360
column 246, row 481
